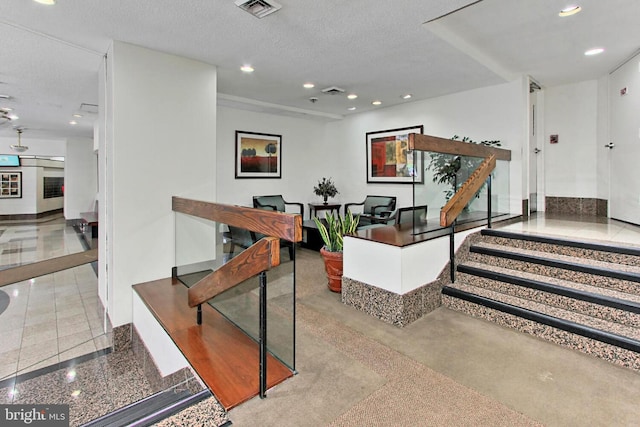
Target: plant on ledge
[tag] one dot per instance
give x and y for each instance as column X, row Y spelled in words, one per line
column 332, row 235
column 325, row 188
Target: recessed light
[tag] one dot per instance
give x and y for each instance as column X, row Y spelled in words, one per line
column 77, row 115
column 13, row 117
column 376, row 102
column 47, row 2
column 309, row 85
column 407, row 96
column 351, row 108
column 4, row 96
column 570, row 10
column 352, row 96
column 6, row 109
column 247, row 68
column 73, row 123
column 596, row 51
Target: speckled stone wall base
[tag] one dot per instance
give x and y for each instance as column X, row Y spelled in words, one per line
column 122, row 337
column 599, row 349
column 399, row 310
column 180, row 380
column 576, row 206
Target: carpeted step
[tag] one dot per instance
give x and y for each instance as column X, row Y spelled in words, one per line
column 608, row 275
column 588, row 249
column 597, row 302
column 591, row 336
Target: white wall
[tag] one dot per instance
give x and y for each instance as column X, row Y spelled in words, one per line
column 160, row 141
column 80, row 178
column 50, row 204
column 571, row 167
column 305, row 157
column 492, row 113
column 33, row 201
column 37, row 147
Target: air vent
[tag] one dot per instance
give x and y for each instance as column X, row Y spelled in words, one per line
column 333, row 90
column 258, row 8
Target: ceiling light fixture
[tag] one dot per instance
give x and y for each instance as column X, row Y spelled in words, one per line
column 19, row 148
column 308, row 85
column 407, row 96
column 247, row 69
column 47, row 2
column 376, row 103
column 351, row 108
column 6, row 109
column 352, row 96
column 73, row 123
column 595, row 51
column 570, row 10
column 77, row 115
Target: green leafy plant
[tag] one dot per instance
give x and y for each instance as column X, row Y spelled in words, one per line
column 447, row 168
column 337, row 226
column 325, row 188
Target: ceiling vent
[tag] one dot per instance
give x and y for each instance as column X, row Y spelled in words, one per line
column 258, row 8
column 333, row 90
column 88, row 108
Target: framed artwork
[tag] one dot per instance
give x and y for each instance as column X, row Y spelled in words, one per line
column 390, row 161
column 258, row 155
column 10, row 185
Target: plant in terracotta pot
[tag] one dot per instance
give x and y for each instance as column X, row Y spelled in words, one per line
column 325, row 188
column 332, row 233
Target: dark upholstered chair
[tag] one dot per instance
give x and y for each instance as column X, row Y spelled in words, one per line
column 240, row 237
column 277, row 203
column 407, row 215
column 375, row 209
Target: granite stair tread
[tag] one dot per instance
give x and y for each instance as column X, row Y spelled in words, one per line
column 599, row 324
column 580, row 287
column 633, row 270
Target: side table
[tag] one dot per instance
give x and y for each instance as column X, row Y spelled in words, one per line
column 315, row 208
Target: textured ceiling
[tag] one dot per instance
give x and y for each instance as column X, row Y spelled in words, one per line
column 50, row 56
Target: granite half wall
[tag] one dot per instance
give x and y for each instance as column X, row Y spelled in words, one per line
column 576, row 206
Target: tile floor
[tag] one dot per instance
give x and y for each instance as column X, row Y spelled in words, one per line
column 52, row 318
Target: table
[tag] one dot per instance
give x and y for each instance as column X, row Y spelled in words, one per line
column 314, row 208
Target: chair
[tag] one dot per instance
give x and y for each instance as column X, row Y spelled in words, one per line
column 240, row 237
column 277, row 203
column 375, row 209
column 408, row 215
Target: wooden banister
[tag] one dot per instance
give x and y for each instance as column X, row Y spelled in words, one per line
column 467, row 191
column 261, row 256
column 278, row 224
column 458, row 148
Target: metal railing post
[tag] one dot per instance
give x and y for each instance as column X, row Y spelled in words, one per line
column 199, row 315
column 489, row 201
column 452, row 253
column 263, row 334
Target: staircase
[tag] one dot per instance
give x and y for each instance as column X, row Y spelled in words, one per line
column 581, row 295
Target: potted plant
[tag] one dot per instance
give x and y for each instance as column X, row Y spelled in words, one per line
column 325, row 188
column 332, row 233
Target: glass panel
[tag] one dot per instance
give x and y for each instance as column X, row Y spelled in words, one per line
column 204, row 246
column 444, row 174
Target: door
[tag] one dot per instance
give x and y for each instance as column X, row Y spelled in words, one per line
column 624, row 147
column 534, row 150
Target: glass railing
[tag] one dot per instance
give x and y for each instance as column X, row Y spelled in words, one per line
column 204, row 246
column 444, row 174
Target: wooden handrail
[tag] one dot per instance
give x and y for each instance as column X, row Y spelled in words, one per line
column 278, row 224
column 467, row 191
column 458, row 148
column 261, row 256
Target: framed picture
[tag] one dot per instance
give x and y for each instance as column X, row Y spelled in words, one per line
column 389, row 160
column 258, row 155
column 10, row 185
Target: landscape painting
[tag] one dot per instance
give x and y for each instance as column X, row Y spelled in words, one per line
column 258, row 155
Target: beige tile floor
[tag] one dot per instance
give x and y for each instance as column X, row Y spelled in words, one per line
column 52, row 318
